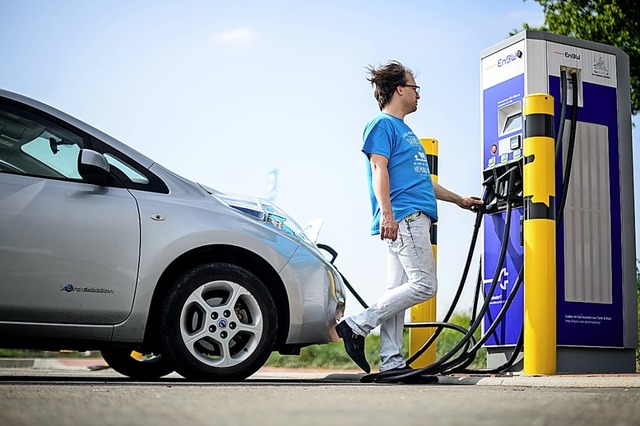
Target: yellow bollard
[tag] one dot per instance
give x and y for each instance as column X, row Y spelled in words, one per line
column 426, row 311
column 539, row 236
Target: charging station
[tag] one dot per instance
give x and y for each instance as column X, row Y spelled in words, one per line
column 595, row 300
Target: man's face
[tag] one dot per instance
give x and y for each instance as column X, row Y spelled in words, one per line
column 411, row 94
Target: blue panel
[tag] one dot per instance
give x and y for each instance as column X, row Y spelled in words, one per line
column 508, row 331
column 593, row 324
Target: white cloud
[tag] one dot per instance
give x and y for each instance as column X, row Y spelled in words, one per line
column 235, row 36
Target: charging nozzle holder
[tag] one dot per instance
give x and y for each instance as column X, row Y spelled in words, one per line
column 502, row 185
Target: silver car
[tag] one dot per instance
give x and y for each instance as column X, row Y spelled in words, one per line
column 103, row 249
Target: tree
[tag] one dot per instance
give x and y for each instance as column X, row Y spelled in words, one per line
column 612, row 22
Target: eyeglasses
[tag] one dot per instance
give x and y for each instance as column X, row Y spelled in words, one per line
column 414, row 87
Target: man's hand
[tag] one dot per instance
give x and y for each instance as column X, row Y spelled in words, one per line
column 380, row 182
column 469, row 203
column 388, row 227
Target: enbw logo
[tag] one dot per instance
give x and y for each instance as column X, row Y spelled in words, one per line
column 509, row 58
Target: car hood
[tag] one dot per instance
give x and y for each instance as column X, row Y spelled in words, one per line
column 261, row 210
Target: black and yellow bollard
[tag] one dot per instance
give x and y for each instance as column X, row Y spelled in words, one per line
column 426, row 311
column 539, row 236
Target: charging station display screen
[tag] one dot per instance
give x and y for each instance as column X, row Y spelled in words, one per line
column 513, row 122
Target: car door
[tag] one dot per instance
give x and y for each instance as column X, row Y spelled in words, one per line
column 69, row 249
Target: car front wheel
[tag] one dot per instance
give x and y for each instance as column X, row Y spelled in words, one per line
column 219, row 323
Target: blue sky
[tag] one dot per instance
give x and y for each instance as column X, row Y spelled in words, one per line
column 223, row 92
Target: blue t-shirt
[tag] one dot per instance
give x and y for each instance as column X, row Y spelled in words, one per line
column 410, row 184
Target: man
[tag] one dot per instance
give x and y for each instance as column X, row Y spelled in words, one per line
column 403, row 200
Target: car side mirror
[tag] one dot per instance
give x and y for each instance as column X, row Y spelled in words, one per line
column 93, row 167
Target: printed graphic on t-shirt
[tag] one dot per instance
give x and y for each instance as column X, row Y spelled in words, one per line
column 420, row 164
column 411, row 138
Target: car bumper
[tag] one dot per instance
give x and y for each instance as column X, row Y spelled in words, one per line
column 316, row 298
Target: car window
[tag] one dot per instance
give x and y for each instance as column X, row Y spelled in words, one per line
column 60, row 153
column 132, row 174
column 33, row 145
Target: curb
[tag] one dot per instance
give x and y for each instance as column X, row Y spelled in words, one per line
column 16, row 362
column 556, row 381
column 51, row 363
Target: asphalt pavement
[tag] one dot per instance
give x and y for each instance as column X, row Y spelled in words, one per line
column 97, row 366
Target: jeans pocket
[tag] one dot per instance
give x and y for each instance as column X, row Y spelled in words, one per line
column 412, row 217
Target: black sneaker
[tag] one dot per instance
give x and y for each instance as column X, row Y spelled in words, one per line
column 354, row 345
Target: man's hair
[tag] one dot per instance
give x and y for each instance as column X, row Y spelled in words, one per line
column 386, row 79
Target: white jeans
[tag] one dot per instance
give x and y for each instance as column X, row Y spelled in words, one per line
column 411, row 279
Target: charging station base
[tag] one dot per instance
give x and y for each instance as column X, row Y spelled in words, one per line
column 577, row 360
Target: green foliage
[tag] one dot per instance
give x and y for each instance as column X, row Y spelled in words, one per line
column 331, row 356
column 33, row 353
column 612, row 22
column 20, row 353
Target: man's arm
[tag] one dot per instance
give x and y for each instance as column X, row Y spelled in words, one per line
column 381, row 189
column 444, row 194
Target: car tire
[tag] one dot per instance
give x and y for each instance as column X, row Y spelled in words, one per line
column 219, row 323
column 138, row 366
